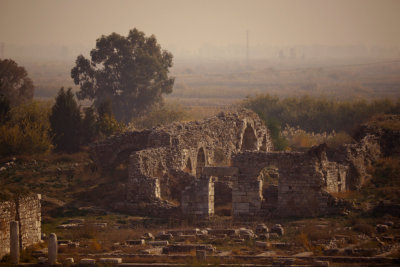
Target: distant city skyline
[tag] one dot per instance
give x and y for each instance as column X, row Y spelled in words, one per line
column 230, row 51
column 192, row 25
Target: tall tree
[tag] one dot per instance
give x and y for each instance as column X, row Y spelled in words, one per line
column 65, row 120
column 4, row 109
column 15, row 84
column 89, row 126
column 132, row 71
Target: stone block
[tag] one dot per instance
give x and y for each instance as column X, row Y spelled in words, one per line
column 138, row 242
column 220, row 171
column 153, row 251
column 158, row 243
column 112, row 261
column 87, row 261
column 278, row 229
column 68, row 261
column 261, row 229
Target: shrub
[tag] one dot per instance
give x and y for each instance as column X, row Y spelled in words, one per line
column 318, row 114
column 108, row 126
column 27, row 131
column 279, row 141
column 339, row 139
column 164, row 114
column 299, row 139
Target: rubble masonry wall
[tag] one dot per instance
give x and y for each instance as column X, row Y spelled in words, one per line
column 25, row 210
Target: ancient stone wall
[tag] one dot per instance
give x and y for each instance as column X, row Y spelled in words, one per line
column 26, row 210
column 225, row 133
column 29, row 220
column 198, row 199
column 182, row 149
column 357, row 157
column 111, row 151
column 235, row 148
column 7, row 214
column 385, row 133
column 304, row 181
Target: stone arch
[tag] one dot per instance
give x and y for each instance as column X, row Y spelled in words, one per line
column 120, row 155
column 249, row 139
column 188, row 167
column 201, row 161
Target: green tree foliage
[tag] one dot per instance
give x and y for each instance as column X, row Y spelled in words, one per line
column 65, row 120
column 164, row 114
column 27, row 130
column 108, row 125
column 4, row 109
column 15, row 84
column 89, row 128
column 105, row 108
column 132, row 71
column 280, row 142
column 318, row 114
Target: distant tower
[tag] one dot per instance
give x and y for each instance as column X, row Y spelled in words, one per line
column 247, row 47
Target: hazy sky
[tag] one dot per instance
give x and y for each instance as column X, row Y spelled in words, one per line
column 192, row 23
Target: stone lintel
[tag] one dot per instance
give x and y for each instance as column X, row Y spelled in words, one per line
column 220, row 171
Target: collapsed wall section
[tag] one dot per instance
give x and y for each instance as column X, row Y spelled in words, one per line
column 357, row 157
column 109, row 152
column 25, row 210
column 305, row 180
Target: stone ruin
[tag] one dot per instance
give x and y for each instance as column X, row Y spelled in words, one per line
column 26, row 212
column 189, row 159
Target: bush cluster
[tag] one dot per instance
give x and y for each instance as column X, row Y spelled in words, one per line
column 27, row 131
column 319, row 114
column 70, row 130
column 315, row 114
column 164, row 114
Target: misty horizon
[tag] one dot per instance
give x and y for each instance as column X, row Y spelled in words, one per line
column 191, row 29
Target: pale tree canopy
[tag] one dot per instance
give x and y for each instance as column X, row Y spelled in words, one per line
column 132, row 71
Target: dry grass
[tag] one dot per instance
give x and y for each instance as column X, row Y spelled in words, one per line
column 389, row 122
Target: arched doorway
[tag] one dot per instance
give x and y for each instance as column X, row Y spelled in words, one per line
column 249, row 140
column 201, row 162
